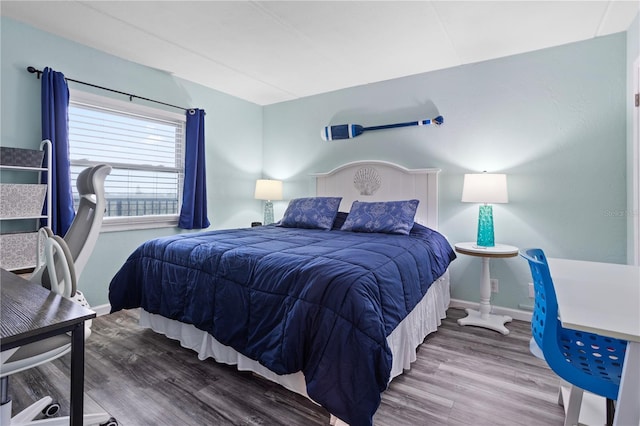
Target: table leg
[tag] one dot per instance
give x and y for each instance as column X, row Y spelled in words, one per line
column 77, row 375
column 627, row 406
column 483, row 317
column 485, row 290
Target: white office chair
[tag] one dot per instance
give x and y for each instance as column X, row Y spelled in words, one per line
column 56, row 266
column 83, row 233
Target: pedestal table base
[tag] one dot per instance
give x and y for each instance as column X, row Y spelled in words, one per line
column 490, row 321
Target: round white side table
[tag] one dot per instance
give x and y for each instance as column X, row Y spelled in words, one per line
column 483, row 316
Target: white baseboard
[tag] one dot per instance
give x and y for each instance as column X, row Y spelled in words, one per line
column 499, row 310
column 102, row 309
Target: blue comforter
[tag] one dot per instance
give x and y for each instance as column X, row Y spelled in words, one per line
column 320, row 302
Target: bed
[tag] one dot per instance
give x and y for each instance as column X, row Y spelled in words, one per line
column 332, row 313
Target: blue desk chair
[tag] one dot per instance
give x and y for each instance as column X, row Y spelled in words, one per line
column 587, row 361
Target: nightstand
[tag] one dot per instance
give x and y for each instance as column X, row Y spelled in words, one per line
column 483, row 317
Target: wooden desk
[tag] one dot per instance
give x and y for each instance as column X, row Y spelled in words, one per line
column 29, row 313
column 604, row 298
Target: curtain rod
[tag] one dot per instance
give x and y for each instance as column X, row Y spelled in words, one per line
column 33, row 70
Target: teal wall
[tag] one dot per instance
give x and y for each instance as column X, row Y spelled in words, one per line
column 553, row 120
column 233, row 131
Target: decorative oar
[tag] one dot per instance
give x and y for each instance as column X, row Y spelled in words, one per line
column 349, row 131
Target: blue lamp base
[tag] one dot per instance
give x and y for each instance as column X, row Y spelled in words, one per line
column 485, row 227
column 268, row 212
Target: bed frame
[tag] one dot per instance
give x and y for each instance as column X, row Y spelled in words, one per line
column 363, row 181
column 374, row 180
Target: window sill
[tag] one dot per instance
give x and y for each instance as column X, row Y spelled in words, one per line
column 130, row 223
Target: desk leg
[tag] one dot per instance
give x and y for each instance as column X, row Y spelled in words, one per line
column 77, row 375
column 628, row 403
column 483, row 317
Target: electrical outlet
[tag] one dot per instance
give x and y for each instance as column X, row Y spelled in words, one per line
column 532, row 292
column 494, row 285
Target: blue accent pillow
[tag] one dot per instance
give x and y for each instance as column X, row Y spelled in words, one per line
column 389, row 217
column 312, row 213
column 339, row 221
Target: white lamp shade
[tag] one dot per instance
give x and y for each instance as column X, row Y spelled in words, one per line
column 268, row 189
column 485, row 188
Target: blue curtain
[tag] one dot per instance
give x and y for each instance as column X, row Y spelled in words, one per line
column 193, row 214
column 55, row 127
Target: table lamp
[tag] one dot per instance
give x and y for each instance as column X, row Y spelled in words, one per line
column 485, row 188
column 268, row 190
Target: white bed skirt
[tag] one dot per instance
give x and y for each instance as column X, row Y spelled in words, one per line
column 403, row 341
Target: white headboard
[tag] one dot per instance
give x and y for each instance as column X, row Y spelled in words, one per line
column 382, row 181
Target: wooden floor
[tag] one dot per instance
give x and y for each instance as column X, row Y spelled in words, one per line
column 463, row 376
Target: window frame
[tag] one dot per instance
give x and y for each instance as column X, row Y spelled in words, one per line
column 127, row 223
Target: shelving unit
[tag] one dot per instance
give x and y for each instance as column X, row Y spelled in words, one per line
column 22, row 204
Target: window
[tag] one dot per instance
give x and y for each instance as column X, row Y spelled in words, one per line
column 144, row 148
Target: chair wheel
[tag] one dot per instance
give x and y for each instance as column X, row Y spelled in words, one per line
column 51, row 410
column 110, row 422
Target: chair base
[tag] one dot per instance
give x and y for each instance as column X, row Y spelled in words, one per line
column 535, row 349
column 585, row 409
column 26, row 417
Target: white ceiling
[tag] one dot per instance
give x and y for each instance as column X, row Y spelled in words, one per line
column 273, row 51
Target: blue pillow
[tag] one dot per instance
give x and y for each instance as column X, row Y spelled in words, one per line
column 389, row 217
column 313, row 213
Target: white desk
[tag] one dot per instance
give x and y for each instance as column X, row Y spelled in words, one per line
column 604, row 298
